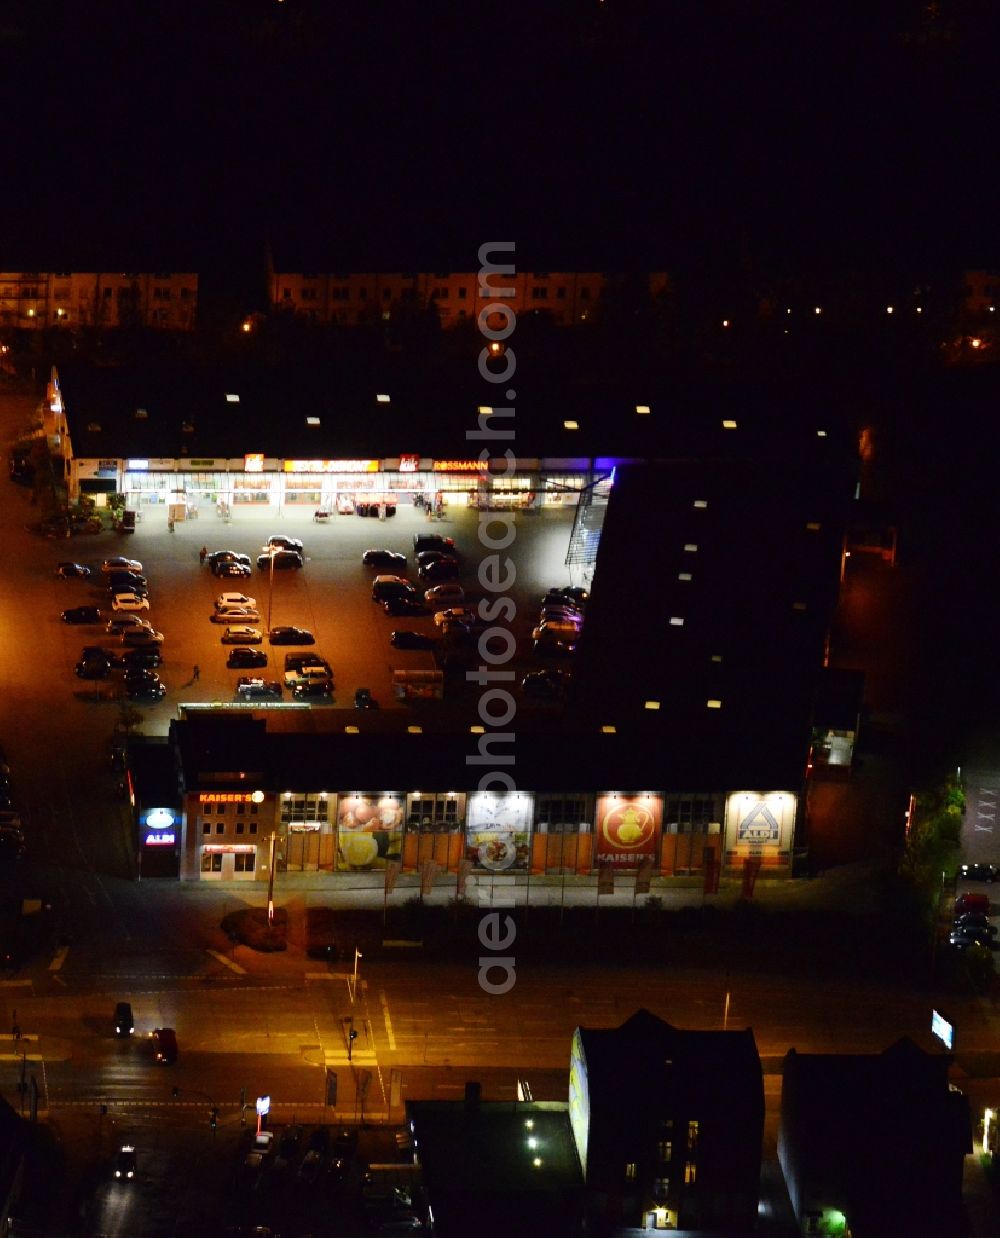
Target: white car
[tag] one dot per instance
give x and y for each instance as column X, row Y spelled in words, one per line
column 445, row 595
column 456, row 614
column 234, row 599
column 129, row 601
column 235, row 614
column 118, row 563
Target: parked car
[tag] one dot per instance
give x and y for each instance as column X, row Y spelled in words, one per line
column 246, row 658
column 456, row 614
column 313, row 690
column 141, row 636
column 145, row 658
column 568, row 614
column 287, row 1146
column 129, row 602
column 81, row 614
column 559, row 628
column 93, row 668
column 278, row 541
column 164, row 1045
column 972, row 902
column 235, row 614
column 443, row 569
column 363, row 699
column 125, row 623
column 118, row 563
column 976, row 920
column 279, row 560
column 978, row 872
column 411, row 640
column 233, row 599
column 120, row 582
column 241, row 634
column 963, row 938
column 260, row 1149
column 386, row 587
column 124, row 1020
column 140, row 675
column 546, row 684
column 384, row 558
column 295, row 661
column 226, row 556
column 250, row 689
column 68, row 571
column 145, row 691
column 575, row 594
column 404, row 606
column 426, row 557
column 230, row 569
column 287, row 635
column 433, row 541
column 450, row 594
column 319, row 671
column 550, row 646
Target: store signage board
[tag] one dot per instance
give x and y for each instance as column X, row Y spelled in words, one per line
column 331, row 466
column 942, row 1029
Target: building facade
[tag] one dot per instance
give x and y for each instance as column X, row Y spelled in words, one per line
column 36, row 300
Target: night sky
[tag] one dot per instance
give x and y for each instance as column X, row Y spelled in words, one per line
column 794, row 135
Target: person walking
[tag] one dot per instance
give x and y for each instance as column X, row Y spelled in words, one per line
column 196, row 673
column 203, row 554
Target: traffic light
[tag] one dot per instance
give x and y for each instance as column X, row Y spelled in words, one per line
column 214, row 1118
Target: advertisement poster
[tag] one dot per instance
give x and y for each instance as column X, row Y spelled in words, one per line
column 369, row 830
column 628, row 828
column 498, row 830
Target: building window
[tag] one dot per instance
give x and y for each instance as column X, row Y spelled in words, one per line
column 362, row 294
column 305, row 808
column 253, row 827
column 240, row 827
column 433, row 811
column 211, row 861
column 207, row 809
column 240, row 809
column 630, row 1169
column 246, row 861
column 462, row 293
column 539, row 294
column 563, row 814
column 254, row 809
column 386, row 294
column 220, row 827
column 308, row 294
column 206, row 827
column 690, row 1172
column 661, row 1188
column 665, row 1150
column 692, row 1135
column 584, row 294
column 690, row 814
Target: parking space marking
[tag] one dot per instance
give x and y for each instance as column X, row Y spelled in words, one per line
column 385, row 1014
column 221, row 958
column 59, row 959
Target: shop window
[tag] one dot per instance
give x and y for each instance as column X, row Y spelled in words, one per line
column 690, row 814
column 211, row 861
column 562, row 814
column 246, row 861
column 433, row 812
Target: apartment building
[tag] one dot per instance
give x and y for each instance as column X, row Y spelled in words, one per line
column 350, row 299
column 35, row 300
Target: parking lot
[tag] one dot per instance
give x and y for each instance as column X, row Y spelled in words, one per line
column 330, row 596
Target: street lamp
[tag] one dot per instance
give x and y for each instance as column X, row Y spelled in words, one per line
column 270, row 880
column 270, row 590
column 354, row 987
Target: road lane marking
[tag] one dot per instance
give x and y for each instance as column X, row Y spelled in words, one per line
column 10, row 984
column 388, row 1023
column 59, row 959
column 221, row 958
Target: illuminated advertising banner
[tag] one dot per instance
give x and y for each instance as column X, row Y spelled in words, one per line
column 409, row 464
column 331, row 466
column 628, row 827
column 158, row 827
column 254, row 463
column 460, row 466
column 760, row 824
column 498, row 830
column 369, row 830
column 231, row 797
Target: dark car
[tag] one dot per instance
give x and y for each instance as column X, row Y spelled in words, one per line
column 978, row 872
column 119, row 582
column 287, row 1147
column 250, row 689
column 67, row 571
column 385, row 588
column 404, row 606
column 316, row 691
column 290, row 636
column 125, row 1167
column 81, row 614
column 384, row 558
column 94, row 667
column 226, row 556
column 433, row 541
column 443, row 569
column 165, row 1045
column 550, row 647
column 140, row 658
column 230, row 570
column 124, row 1021
column 129, row 586
column 545, row 684
column 279, row 561
column 146, row 691
column 139, row 675
column 11, row 846
column 573, row 594
column 976, row 920
column 411, row 640
column 296, row 661
column 963, row 938
column 243, row 657
column 363, row 699
column 426, row 557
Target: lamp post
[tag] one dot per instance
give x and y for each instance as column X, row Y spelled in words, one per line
column 354, row 986
column 270, row 589
column 270, row 880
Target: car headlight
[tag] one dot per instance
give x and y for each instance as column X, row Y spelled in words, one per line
column 118, row 1173
column 131, row 1173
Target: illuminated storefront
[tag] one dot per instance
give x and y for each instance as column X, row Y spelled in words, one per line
column 369, row 830
column 760, row 826
column 498, row 830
